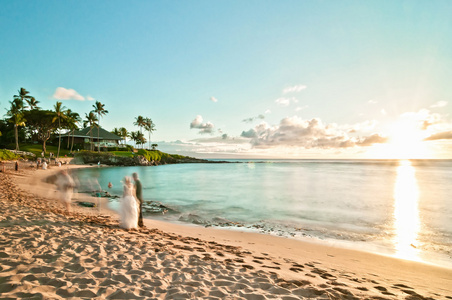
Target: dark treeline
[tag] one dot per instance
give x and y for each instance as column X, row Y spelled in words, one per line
column 26, row 122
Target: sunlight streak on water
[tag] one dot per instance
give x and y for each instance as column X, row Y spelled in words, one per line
column 406, row 212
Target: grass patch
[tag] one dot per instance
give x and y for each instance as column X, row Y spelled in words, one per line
column 8, row 155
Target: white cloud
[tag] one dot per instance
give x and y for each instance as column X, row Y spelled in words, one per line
column 439, row 104
column 293, row 89
column 295, row 132
column 213, row 99
column 62, row 93
column 89, row 98
column 283, row 101
column 203, row 127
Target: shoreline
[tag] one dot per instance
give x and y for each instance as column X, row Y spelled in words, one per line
column 319, row 270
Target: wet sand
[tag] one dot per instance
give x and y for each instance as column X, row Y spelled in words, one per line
column 48, row 253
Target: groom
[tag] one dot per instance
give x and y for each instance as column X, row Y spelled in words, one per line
column 139, row 197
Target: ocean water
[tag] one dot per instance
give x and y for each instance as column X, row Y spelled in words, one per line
column 401, row 208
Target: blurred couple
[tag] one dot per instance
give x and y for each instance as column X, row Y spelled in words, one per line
column 131, row 215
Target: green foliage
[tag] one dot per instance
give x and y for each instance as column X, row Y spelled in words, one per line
column 37, row 149
column 159, row 156
column 7, row 155
column 123, row 153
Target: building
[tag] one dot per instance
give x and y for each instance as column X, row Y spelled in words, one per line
column 104, row 138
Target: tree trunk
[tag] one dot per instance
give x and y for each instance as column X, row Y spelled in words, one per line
column 17, row 136
column 59, row 138
column 44, row 147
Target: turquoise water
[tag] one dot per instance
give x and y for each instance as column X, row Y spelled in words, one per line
column 400, row 208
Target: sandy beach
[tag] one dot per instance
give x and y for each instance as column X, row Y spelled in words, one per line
column 47, row 253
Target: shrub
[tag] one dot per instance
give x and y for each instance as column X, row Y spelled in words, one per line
column 7, row 155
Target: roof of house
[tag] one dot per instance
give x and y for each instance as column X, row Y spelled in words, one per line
column 85, row 133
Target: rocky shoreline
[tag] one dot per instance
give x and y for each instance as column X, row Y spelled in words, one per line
column 138, row 160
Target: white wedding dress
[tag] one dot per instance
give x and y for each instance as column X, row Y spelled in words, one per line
column 129, row 210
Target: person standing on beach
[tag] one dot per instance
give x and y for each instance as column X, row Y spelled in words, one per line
column 128, row 213
column 138, row 192
column 65, row 185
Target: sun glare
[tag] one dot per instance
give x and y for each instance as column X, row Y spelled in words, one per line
column 406, row 212
column 406, row 141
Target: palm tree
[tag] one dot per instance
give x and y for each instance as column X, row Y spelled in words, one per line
column 124, row 134
column 140, row 122
column 16, row 116
column 72, row 119
column 90, row 119
column 116, row 131
column 22, row 96
column 134, row 136
column 60, row 111
column 149, row 126
column 100, row 111
column 32, row 103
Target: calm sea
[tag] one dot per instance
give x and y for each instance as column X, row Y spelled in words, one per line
column 399, row 208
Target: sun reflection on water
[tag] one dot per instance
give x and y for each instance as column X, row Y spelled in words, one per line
column 406, row 212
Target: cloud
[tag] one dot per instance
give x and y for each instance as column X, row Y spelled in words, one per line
column 203, row 127
column 283, row 101
column 372, row 139
column 293, row 89
column 372, row 102
column 268, row 111
column 446, row 135
column 295, row 132
column 439, row 104
column 62, row 93
column 89, row 98
column 249, row 120
column 213, row 99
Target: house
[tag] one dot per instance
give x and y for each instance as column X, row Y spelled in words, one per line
column 104, row 138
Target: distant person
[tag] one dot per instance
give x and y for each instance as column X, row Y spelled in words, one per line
column 110, row 185
column 16, row 166
column 138, row 191
column 65, row 185
column 128, row 213
column 44, row 165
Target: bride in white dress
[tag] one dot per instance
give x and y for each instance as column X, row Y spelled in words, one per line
column 129, row 210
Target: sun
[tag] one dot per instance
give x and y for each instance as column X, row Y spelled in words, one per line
column 407, row 140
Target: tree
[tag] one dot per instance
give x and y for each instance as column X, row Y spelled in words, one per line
column 138, row 137
column 90, row 119
column 124, row 134
column 100, row 111
column 116, row 131
column 32, row 103
column 154, row 146
column 23, row 96
column 41, row 124
column 16, row 116
column 72, row 119
column 60, row 113
column 140, row 122
column 149, row 126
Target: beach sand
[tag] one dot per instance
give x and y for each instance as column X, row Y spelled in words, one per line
column 47, row 253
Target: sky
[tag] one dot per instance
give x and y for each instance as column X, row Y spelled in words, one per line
column 244, row 79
